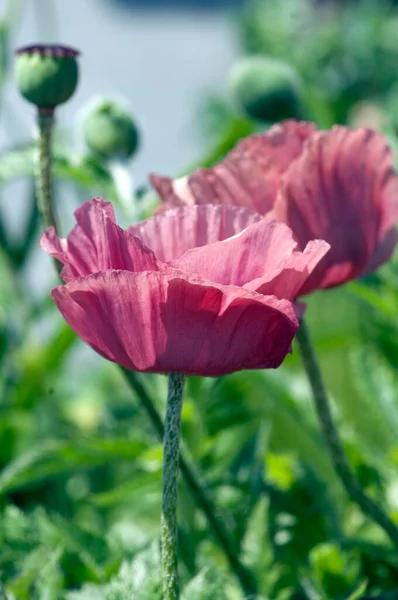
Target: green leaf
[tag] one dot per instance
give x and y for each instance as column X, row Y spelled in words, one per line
column 4, row 595
column 31, row 552
column 359, row 592
column 138, row 580
column 56, row 457
column 23, row 585
column 292, row 431
column 256, row 549
column 137, row 485
column 334, row 570
column 84, row 171
column 208, row 584
column 327, row 557
column 91, row 548
column 373, row 297
column 89, row 592
column 38, row 364
column 40, row 550
column 17, row 163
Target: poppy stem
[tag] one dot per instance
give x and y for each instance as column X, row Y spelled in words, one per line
column 333, row 441
column 171, row 459
column 198, row 490
column 43, row 176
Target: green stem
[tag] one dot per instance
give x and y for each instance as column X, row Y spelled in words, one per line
column 44, row 192
column 333, row 441
column 171, row 457
column 45, row 122
column 198, row 490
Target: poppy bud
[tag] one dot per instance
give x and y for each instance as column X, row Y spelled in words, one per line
column 110, row 131
column 266, row 89
column 46, row 75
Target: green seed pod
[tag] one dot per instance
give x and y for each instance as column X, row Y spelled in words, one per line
column 46, row 75
column 110, row 131
column 266, row 89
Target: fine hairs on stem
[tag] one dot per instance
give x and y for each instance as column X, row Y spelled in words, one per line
column 198, row 490
column 45, row 122
column 333, row 441
column 171, row 459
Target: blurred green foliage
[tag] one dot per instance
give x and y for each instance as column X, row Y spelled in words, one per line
column 80, row 461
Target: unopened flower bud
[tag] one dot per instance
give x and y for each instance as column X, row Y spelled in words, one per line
column 266, row 89
column 46, row 75
column 110, row 131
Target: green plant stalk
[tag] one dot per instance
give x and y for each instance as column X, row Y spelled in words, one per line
column 171, row 460
column 335, row 447
column 198, row 489
column 45, row 123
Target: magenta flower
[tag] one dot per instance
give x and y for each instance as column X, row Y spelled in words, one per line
column 336, row 185
column 213, row 295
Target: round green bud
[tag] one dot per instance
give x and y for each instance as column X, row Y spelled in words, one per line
column 110, row 131
column 266, row 89
column 46, row 75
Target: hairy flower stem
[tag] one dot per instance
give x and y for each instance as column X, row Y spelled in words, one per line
column 45, row 122
column 333, row 441
column 199, row 492
column 171, row 460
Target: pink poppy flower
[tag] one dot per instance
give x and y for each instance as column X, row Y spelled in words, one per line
column 336, row 185
column 212, row 295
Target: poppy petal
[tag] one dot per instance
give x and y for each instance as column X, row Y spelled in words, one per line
column 166, row 321
column 96, row 244
column 249, row 176
column 262, row 258
column 177, row 230
column 337, row 190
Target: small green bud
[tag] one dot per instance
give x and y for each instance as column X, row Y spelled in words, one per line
column 46, row 75
column 266, row 89
column 110, row 131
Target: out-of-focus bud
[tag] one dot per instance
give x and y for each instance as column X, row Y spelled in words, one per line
column 110, row 131
column 266, row 89
column 46, row 75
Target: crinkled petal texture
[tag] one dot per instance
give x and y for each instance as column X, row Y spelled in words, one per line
column 336, row 185
column 177, row 230
column 263, row 258
column 168, row 321
column 216, row 299
column 344, row 190
column 249, row 176
column 96, row 244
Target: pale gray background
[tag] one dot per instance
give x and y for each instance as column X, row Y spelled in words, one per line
column 162, row 59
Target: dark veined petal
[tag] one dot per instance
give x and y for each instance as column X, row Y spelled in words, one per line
column 341, row 189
